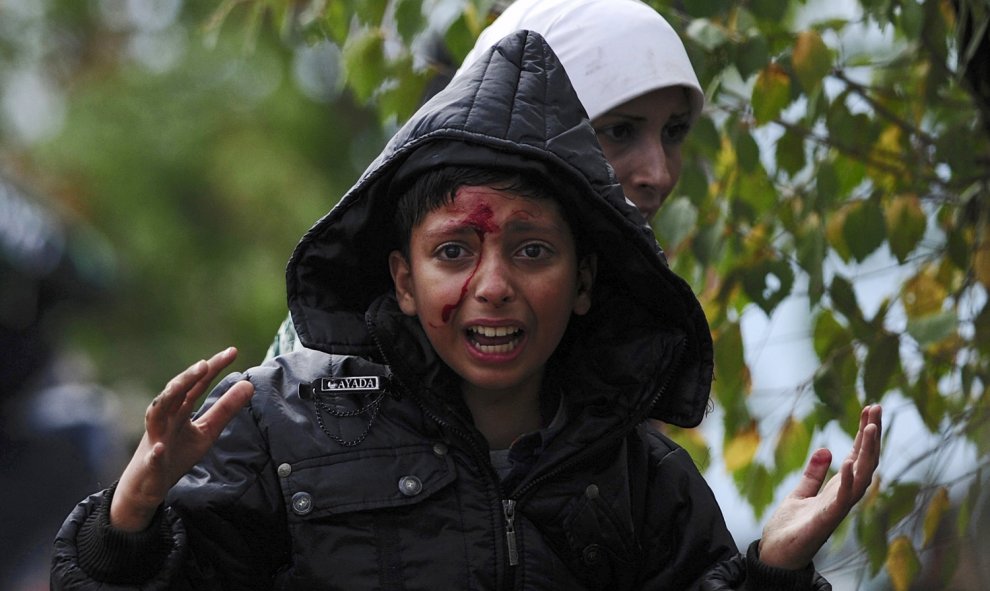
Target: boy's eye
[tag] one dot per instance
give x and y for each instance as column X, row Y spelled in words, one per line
column 451, row 251
column 534, row 251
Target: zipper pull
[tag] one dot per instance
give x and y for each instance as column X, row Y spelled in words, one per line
column 509, row 510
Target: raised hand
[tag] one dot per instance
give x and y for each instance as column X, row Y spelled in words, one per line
column 808, row 516
column 172, row 441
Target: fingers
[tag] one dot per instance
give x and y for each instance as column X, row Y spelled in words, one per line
column 174, row 394
column 216, row 418
column 814, row 474
column 182, row 391
column 214, row 366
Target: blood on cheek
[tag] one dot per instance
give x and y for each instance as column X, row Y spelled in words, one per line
column 480, row 220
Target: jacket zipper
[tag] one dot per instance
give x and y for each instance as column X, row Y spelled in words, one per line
column 509, row 511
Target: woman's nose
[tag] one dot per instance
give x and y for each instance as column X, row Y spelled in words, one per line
column 651, row 178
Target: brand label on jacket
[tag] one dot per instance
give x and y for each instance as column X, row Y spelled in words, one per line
column 350, row 384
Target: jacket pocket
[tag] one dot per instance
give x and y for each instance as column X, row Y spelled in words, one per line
column 364, row 480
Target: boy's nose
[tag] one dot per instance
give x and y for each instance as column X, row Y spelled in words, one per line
column 492, row 282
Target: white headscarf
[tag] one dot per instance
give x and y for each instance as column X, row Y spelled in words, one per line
column 613, row 50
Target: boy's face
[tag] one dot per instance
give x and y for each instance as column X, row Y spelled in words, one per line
column 494, row 278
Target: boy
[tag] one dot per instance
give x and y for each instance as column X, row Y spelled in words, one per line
column 488, row 327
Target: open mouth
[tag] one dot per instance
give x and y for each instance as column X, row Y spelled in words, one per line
column 495, row 339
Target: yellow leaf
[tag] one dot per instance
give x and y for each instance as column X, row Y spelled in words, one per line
column 902, row 563
column 741, row 449
column 889, row 151
column 771, row 93
column 833, row 232
column 933, row 515
column 923, row 294
column 811, row 59
column 981, row 263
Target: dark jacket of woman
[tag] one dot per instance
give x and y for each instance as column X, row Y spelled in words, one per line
column 356, row 465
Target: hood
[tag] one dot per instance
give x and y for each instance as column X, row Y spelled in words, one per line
column 515, row 107
column 614, row 50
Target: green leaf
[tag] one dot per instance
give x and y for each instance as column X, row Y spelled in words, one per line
column 871, row 530
column 906, row 223
column 927, row 399
column 826, row 185
column 792, row 446
column 459, row 38
column 933, row 327
column 811, row 251
column 404, row 96
column 732, row 378
column 370, row 12
column 829, row 335
column 771, row 93
column 883, row 361
column 844, row 299
column 694, row 181
column 707, row 243
column 864, row 230
column 409, row 20
column 751, row 55
column 835, row 383
column 693, row 441
column 790, row 152
column 364, row 60
column 337, row 21
column 812, row 60
column 676, row 220
column 767, row 283
column 747, row 152
column 901, row 500
column 755, row 483
column 706, row 33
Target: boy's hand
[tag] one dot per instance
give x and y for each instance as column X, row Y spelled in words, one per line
column 173, row 442
column 809, row 515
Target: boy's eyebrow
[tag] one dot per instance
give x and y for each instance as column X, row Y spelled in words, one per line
column 525, row 223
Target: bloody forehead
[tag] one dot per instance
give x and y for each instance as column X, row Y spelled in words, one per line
column 479, row 218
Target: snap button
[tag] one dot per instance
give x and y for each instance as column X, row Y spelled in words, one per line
column 284, row 470
column 592, row 491
column 592, row 554
column 302, row 503
column 440, row 449
column 410, row 486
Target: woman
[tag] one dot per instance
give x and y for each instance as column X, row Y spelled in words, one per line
column 633, row 76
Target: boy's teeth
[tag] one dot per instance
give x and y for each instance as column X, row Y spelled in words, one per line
column 494, row 331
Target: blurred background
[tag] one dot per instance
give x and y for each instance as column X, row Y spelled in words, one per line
column 160, row 159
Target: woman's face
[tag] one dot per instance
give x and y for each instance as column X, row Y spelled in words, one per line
column 642, row 140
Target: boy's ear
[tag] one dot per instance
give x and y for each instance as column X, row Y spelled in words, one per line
column 398, row 266
column 587, row 269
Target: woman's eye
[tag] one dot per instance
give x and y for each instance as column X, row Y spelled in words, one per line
column 619, row 132
column 674, row 133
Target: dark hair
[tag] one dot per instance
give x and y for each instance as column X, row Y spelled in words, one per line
column 437, row 187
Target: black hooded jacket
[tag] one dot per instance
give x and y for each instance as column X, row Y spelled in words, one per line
column 356, row 465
